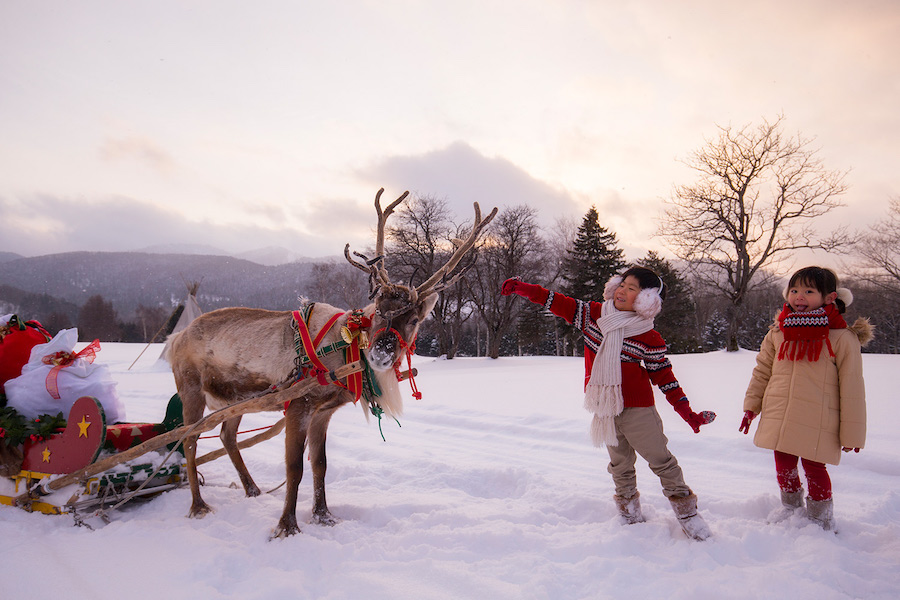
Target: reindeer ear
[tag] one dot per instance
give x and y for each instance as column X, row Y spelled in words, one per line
column 426, row 304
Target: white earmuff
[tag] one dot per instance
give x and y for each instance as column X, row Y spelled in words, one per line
column 845, row 296
column 610, row 289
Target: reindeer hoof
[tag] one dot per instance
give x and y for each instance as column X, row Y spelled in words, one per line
column 253, row 491
column 324, row 518
column 285, row 529
column 200, row 510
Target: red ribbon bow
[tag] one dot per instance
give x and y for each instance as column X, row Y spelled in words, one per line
column 61, row 359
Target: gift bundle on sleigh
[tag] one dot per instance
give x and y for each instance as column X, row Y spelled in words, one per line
column 42, row 378
column 59, row 415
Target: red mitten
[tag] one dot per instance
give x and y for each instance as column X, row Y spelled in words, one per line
column 533, row 292
column 510, row 286
column 695, row 420
column 749, row 415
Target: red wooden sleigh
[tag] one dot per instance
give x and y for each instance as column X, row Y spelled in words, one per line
column 91, row 464
column 86, row 438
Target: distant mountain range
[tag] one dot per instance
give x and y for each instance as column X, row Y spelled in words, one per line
column 270, row 256
column 63, row 282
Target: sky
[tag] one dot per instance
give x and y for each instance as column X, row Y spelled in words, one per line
column 241, row 125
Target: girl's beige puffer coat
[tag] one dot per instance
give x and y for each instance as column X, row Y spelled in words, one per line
column 811, row 409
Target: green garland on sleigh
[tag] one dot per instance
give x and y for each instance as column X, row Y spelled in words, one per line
column 15, row 429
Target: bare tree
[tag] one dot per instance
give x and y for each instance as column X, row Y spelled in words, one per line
column 758, row 194
column 880, row 250
column 513, row 247
column 336, row 283
column 418, row 243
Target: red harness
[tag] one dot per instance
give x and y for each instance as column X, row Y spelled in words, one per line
column 318, row 368
column 353, row 353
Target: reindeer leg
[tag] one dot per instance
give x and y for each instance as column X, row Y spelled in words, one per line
column 199, row 507
column 228, row 435
column 318, row 428
column 193, row 405
column 296, row 419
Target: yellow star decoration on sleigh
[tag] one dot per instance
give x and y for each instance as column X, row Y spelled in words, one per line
column 83, row 427
column 46, row 455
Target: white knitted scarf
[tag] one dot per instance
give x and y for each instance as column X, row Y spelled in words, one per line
column 603, row 394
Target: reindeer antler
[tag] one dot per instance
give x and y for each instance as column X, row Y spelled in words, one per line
column 375, row 267
column 382, row 218
column 462, row 248
column 371, row 267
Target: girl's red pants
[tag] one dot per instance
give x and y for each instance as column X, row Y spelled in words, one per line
column 817, row 479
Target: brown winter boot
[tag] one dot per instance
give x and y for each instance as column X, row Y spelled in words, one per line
column 821, row 512
column 630, row 508
column 691, row 522
column 791, row 502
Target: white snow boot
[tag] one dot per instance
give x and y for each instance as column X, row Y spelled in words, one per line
column 821, row 512
column 630, row 508
column 791, row 502
column 691, row 522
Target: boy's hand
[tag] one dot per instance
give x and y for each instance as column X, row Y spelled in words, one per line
column 749, row 415
column 695, row 420
column 510, row 286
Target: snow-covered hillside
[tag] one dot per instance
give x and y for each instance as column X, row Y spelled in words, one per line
column 490, row 489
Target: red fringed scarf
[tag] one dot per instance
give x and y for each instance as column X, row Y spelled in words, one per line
column 805, row 332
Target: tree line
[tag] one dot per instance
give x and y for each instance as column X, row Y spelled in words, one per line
column 734, row 231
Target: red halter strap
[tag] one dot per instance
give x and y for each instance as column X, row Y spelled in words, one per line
column 410, row 349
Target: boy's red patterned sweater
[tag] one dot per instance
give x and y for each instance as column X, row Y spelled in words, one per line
column 648, row 347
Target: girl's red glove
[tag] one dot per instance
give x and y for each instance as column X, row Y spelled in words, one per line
column 749, row 415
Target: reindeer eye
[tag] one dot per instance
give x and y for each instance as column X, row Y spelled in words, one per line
column 414, row 321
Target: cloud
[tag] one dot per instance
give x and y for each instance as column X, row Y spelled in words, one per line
column 47, row 224
column 139, row 149
column 461, row 175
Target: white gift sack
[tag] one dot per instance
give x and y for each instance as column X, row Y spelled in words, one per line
column 29, row 393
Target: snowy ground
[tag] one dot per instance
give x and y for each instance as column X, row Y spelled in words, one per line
column 491, row 489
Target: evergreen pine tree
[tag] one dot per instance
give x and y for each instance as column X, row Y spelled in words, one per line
column 592, row 260
column 676, row 322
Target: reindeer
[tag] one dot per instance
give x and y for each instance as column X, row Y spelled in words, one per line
column 230, row 354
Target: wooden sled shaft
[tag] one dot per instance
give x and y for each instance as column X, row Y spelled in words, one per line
column 269, row 402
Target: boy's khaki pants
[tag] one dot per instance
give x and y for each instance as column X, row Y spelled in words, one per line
column 640, row 430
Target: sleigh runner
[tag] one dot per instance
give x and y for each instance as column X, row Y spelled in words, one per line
column 85, row 440
column 90, row 464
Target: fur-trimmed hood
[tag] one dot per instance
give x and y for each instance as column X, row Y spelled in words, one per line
column 864, row 330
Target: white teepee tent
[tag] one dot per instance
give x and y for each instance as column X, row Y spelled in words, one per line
column 191, row 308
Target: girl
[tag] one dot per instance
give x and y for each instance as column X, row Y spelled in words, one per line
column 618, row 337
column 808, row 387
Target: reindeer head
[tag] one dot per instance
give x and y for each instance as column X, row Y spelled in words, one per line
column 400, row 309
